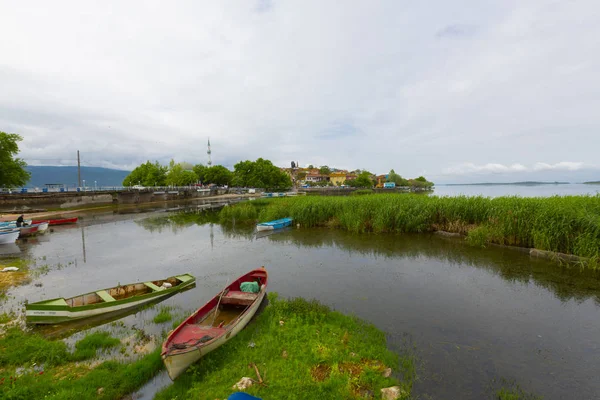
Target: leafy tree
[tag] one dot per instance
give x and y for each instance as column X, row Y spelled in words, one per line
column 420, row 183
column 324, row 170
column 200, row 171
column 310, row 166
column 219, row 175
column 363, row 181
column 260, row 174
column 12, row 170
column 301, row 176
column 397, row 179
column 147, row 174
column 178, row 176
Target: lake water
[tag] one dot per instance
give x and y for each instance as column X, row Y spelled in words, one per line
column 473, row 317
column 570, row 189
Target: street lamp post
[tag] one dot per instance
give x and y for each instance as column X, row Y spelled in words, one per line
column 84, row 185
column 95, row 186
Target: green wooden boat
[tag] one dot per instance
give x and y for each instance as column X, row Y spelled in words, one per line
column 104, row 301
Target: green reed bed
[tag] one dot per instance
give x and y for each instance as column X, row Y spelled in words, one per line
column 569, row 224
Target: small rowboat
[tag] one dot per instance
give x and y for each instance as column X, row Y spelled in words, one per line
column 213, row 324
column 9, row 236
column 28, row 230
column 105, row 301
column 60, row 221
column 277, row 224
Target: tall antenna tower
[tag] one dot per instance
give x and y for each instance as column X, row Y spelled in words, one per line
column 208, row 152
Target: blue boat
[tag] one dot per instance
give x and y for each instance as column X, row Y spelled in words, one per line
column 271, row 225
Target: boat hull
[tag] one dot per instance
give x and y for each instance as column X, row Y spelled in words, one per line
column 271, row 225
column 9, row 237
column 177, row 363
column 54, row 314
column 62, row 221
column 28, row 231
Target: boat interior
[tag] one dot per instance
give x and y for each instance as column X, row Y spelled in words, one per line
column 123, row 292
column 225, row 311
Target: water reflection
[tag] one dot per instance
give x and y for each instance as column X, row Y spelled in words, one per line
column 567, row 282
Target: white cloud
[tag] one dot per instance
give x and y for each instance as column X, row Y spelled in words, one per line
column 410, row 86
column 564, row 166
column 470, row 168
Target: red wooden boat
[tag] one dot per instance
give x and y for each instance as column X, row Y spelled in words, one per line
column 213, row 324
column 60, row 221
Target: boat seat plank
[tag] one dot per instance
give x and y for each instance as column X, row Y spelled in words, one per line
column 105, row 296
column 152, row 286
column 184, row 278
column 239, row 298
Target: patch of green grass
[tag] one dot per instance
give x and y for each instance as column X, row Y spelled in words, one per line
column 6, row 317
column 244, row 213
column 88, row 346
column 110, row 380
column 164, row 315
column 362, row 192
column 18, row 348
column 298, row 346
column 513, row 392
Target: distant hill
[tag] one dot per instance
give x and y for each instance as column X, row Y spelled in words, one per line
column 41, row 175
column 592, row 183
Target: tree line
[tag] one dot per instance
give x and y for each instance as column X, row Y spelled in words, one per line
column 260, row 174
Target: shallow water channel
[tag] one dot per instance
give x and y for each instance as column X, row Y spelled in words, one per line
column 474, row 318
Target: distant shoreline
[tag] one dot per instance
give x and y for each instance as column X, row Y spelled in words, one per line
column 592, row 183
column 526, row 183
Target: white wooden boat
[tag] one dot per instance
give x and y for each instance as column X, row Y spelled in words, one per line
column 213, row 324
column 9, row 236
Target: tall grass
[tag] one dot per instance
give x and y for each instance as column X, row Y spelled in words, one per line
column 569, row 224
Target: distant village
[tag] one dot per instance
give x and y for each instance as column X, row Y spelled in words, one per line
column 325, row 176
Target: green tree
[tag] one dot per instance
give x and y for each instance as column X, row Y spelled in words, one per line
column 397, row 179
column 324, row 170
column 219, row 175
column 260, row 174
column 420, row 183
column 310, row 166
column 362, row 181
column 178, row 176
column 147, row 174
column 200, row 171
column 12, row 170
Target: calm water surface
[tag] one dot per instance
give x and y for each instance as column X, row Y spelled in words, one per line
column 571, row 189
column 472, row 316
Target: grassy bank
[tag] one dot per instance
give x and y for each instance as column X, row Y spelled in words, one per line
column 295, row 344
column 569, row 224
column 32, row 367
column 298, row 347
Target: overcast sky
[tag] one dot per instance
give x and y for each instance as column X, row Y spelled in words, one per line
column 460, row 91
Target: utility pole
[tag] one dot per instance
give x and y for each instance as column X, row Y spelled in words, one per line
column 78, row 170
